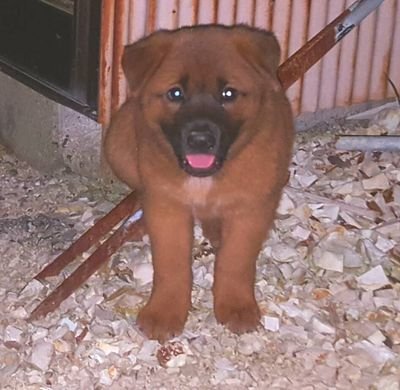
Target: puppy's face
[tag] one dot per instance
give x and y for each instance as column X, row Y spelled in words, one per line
column 200, row 88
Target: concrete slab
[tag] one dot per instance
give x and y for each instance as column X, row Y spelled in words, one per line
column 46, row 134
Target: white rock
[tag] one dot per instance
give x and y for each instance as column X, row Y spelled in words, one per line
column 143, row 272
column 352, row 259
column 19, row 313
column 329, row 212
column 62, row 346
column 108, row 375
column 9, row 363
column 224, row 364
column 270, row 323
column 322, row 327
column 329, row 261
column 40, row 334
column 286, row 270
column 374, row 279
column 332, row 360
column 283, row 253
column 383, row 301
column 13, row 335
column 302, row 212
column 377, row 338
column 41, row 355
column 300, row 233
column 306, row 180
column 396, row 190
column 389, row 119
column 338, row 249
column 344, row 189
column 378, row 353
column 249, row 343
column 370, row 167
column 373, row 253
column 301, row 157
column 296, row 332
column 384, row 244
column 71, row 325
column 202, row 277
column 107, row 347
column 391, row 230
column 87, row 216
column 198, row 232
column 32, row 289
column 286, row 205
column 148, row 350
column 274, row 308
column 293, row 311
column 378, row 182
column 388, row 382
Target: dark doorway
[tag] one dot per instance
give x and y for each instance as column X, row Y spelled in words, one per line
column 53, row 46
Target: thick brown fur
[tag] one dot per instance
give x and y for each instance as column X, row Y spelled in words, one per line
column 235, row 205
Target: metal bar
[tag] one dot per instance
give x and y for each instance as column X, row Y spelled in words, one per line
column 90, row 237
column 100, row 256
column 106, row 61
column 119, row 84
column 293, row 68
column 358, row 12
column 369, row 143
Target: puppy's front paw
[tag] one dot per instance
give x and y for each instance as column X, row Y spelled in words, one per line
column 238, row 316
column 162, row 322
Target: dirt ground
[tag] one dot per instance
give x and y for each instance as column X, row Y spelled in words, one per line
column 328, row 284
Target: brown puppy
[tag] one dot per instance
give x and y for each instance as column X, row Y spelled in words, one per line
column 206, row 135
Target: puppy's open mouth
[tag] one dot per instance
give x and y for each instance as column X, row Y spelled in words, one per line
column 201, row 164
column 200, row 161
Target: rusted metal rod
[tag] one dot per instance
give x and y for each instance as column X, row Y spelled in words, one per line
column 290, row 71
column 99, row 257
column 369, row 143
column 92, row 236
column 308, row 55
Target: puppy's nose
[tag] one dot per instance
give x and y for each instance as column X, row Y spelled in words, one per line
column 201, row 136
column 201, row 140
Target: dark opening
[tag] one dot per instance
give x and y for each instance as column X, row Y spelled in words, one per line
column 53, row 46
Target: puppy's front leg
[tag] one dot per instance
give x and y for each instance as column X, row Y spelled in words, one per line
column 243, row 232
column 170, row 228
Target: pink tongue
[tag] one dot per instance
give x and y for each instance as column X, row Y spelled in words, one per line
column 200, row 161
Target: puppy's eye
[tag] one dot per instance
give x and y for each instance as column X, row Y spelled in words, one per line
column 229, row 94
column 175, row 95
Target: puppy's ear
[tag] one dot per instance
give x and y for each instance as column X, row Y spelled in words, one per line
column 141, row 59
column 260, row 48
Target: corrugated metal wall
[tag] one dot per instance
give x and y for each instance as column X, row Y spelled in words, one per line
column 353, row 72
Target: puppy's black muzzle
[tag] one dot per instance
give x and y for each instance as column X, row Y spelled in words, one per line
column 201, row 137
column 201, row 134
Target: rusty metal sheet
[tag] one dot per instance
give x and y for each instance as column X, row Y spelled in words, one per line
column 106, row 61
column 352, row 73
column 121, row 34
column 382, row 50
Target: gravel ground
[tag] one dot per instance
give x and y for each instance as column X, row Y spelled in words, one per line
column 328, row 285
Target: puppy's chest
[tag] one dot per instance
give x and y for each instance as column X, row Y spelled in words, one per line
column 199, row 192
column 208, row 197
